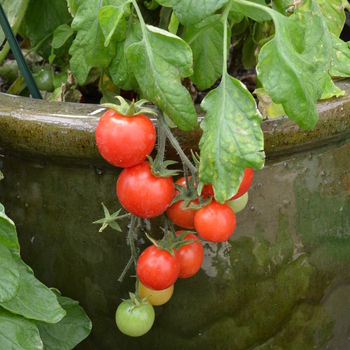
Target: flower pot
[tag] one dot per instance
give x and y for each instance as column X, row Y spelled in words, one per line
column 281, row 281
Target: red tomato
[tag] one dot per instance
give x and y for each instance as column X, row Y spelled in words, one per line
column 125, row 141
column 180, row 217
column 191, row 256
column 157, row 269
column 215, row 222
column 243, row 188
column 143, row 194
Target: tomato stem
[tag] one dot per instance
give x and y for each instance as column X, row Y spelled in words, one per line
column 175, row 144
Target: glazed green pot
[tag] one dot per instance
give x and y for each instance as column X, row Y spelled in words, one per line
column 280, row 282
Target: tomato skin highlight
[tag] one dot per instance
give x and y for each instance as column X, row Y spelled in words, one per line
column 132, row 320
column 215, row 222
column 190, row 255
column 156, row 297
column 143, row 194
column 157, row 269
column 243, row 187
column 124, row 141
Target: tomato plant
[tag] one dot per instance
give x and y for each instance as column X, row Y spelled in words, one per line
column 215, row 222
column 190, row 255
column 143, row 194
column 134, row 320
column 155, row 297
column 125, row 141
column 157, row 268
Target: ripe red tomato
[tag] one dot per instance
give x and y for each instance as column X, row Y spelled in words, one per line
column 190, row 255
column 215, row 222
column 157, row 269
column 143, row 194
column 243, row 187
column 180, row 217
column 125, row 141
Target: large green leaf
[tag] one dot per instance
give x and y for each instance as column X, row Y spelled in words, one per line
column 159, row 61
column 18, row 333
column 112, row 22
column 207, row 51
column 334, row 14
column 15, row 10
column 34, row 300
column 293, row 66
column 119, row 69
column 41, row 19
column 68, row 332
column 88, row 46
column 340, row 64
column 190, row 12
column 232, row 139
column 9, row 272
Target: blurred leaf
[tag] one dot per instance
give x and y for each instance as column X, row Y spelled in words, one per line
column 61, row 35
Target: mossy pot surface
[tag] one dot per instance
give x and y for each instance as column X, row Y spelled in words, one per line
column 282, row 281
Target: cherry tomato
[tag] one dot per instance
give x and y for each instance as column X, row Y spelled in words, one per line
column 134, row 320
column 157, row 269
column 239, row 203
column 125, row 141
column 155, row 297
column 215, row 222
column 191, row 256
column 243, row 188
column 143, row 194
column 180, row 217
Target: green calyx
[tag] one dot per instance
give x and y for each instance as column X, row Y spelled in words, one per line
column 159, row 169
column 137, row 301
column 132, row 109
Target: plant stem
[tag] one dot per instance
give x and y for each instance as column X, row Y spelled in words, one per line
column 131, row 238
column 175, row 144
column 161, row 138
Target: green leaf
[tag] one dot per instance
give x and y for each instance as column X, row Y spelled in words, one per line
column 190, row 12
column 334, row 15
column 18, row 333
column 14, row 10
column 61, row 35
column 232, row 139
column 34, row 300
column 10, row 276
column 8, row 234
column 89, row 43
column 166, row 3
column 293, row 66
column 112, row 21
column 331, row 90
column 159, row 74
column 119, row 69
column 68, row 332
column 207, row 51
column 41, row 19
column 72, row 7
column 78, row 65
column 255, row 13
column 250, row 44
column 340, row 64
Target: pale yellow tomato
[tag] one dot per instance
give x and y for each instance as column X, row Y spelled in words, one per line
column 156, row 297
column 238, row 204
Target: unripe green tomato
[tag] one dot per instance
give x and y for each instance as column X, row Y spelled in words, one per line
column 44, row 79
column 238, row 204
column 9, row 71
column 134, row 320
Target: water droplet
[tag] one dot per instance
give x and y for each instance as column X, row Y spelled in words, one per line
column 252, row 208
column 341, row 208
column 99, row 171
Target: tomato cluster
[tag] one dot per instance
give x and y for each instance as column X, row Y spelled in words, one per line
column 126, row 142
